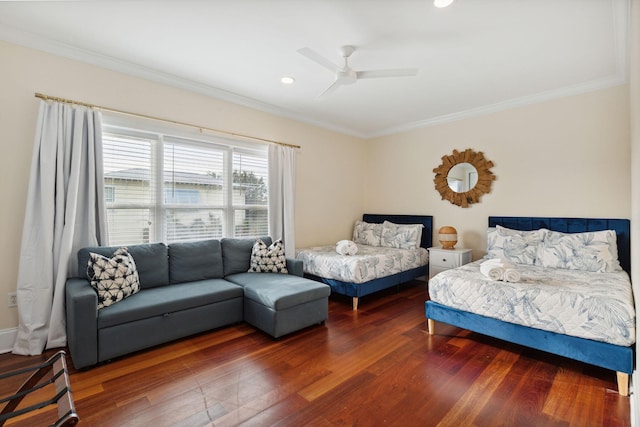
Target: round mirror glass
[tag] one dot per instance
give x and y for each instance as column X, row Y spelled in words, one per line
column 462, row 177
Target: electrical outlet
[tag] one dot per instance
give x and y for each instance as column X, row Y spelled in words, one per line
column 13, row 299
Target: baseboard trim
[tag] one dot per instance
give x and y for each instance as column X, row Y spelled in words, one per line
column 7, row 338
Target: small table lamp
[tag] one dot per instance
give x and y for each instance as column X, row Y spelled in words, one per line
column 448, row 237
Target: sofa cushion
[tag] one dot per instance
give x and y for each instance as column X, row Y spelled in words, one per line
column 115, row 278
column 268, row 259
column 193, row 261
column 152, row 262
column 236, row 254
column 168, row 299
column 279, row 291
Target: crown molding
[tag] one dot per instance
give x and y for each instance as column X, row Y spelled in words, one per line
column 34, row 41
column 620, row 19
column 620, row 16
column 506, row 105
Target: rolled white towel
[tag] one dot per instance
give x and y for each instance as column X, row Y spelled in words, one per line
column 346, row 247
column 499, row 261
column 511, row 275
column 352, row 248
column 500, row 269
column 492, row 270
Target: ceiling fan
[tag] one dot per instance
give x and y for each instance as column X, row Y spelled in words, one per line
column 346, row 75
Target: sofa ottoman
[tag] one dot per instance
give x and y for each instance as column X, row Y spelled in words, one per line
column 279, row 304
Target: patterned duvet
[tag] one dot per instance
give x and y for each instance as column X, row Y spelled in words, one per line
column 371, row 262
column 597, row 306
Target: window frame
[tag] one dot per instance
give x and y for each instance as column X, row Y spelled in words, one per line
column 162, row 134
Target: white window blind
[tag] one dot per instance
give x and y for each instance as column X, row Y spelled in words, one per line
column 250, row 199
column 128, row 171
column 168, row 188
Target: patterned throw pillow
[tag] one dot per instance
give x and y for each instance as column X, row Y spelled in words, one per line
column 366, row 233
column 516, row 246
column 114, row 278
column 591, row 251
column 269, row 259
column 401, row 236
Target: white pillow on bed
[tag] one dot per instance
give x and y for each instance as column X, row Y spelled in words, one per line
column 590, row 251
column 366, row 233
column 401, row 236
column 516, row 246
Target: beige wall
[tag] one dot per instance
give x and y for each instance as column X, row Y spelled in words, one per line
column 330, row 166
column 566, row 157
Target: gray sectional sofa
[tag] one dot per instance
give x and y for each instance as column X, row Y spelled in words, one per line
column 187, row 288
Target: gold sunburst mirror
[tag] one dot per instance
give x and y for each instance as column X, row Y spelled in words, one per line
column 463, row 177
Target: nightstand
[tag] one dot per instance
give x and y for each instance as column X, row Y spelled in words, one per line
column 445, row 259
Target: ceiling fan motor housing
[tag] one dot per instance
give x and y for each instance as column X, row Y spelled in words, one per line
column 347, row 76
column 346, row 51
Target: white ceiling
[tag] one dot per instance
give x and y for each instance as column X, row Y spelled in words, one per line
column 473, row 57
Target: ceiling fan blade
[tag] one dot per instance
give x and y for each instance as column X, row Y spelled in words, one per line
column 400, row 72
column 318, row 59
column 331, row 88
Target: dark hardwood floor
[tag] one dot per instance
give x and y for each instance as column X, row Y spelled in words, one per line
column 374, row 367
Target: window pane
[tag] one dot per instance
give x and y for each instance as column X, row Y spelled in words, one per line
column 129, row 188
column 129, row 226
column 193, row 174
column 127, row 169
column 194, row 224
column 250, row 222
column 249, row 179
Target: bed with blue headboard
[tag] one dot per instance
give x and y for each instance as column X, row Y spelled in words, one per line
column 357, row 290
column 617, row 357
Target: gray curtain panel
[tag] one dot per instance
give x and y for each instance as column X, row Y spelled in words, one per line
column 65, row 211
column 282, row 178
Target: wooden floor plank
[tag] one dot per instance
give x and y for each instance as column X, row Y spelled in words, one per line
column 375, row 366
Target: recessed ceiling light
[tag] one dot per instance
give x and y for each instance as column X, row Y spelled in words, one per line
column 288, row 80
column 442, row 3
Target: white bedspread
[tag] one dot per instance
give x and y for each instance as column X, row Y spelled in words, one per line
column 597, row 306
column 371, row 262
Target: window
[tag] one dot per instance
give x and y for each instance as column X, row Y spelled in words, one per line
column 176, row 188
column 109, row 193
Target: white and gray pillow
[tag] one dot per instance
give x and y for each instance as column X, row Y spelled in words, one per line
column 115, row 278
column 401, row 236
column 590, row 251
column 516, row 246
column 268, row 259
column 366, row 233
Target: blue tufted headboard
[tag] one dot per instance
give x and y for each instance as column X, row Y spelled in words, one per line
column 426, row 220
column 622, row 227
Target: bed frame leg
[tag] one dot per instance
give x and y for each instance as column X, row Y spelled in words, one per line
column 431, row 324
column 623, row 383
column 355, row 303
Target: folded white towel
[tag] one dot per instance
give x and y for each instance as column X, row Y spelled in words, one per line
column 492, row 271
column 511, row 275
column 346, row 247
column 500, row 269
